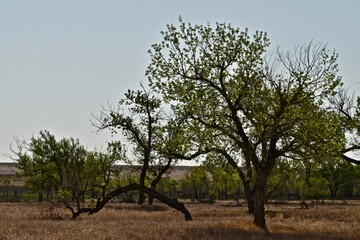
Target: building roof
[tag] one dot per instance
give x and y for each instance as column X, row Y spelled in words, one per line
column 176, row 173
column 7, row 169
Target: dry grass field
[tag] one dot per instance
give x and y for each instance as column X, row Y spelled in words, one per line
column 337, row 220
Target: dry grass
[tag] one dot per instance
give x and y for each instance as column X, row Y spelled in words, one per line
column 129, row 221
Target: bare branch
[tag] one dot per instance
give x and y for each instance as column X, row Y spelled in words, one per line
column 344, row 102
column 351, row 160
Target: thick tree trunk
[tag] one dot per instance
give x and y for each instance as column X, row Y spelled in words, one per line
column 249, row 195
column 259, row 200
column 259, row 210
column 141, row 198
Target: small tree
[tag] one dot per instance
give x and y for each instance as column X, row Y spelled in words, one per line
column 283, row 180
column 169, row 186
column 66, row 168
column 197, row 183
column 224, row 179
column 336, row 172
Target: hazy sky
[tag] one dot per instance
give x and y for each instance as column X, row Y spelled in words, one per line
column 60, row 61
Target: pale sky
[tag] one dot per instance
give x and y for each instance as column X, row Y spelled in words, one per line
column 60, row 61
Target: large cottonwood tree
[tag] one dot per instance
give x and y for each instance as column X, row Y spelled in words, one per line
column 240, row 104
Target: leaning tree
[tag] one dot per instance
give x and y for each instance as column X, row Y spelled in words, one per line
column 247, row 107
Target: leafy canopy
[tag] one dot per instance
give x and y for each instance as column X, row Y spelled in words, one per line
column 237, row 99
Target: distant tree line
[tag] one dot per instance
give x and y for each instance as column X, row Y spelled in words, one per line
column 211, row 181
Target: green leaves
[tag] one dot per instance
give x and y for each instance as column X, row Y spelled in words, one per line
column 220, row 80
column 64, row 167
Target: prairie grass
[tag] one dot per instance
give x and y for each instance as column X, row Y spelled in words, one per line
column 130, row 221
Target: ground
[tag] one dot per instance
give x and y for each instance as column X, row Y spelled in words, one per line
column 334, row 220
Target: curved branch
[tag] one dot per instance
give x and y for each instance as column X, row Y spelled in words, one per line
column 351, row 160
column 174, row 203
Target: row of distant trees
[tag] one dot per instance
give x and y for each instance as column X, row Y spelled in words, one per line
column 212, row 180
column 63, row 170
column 316, row 181
column 281, row 121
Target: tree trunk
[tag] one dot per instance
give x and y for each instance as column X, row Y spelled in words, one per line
column 156, row 181
column 40, row 197
column 226, row 193
column 249, row 195
column 333, row 191
column 245, row 179
column 259, row 200
column 141, row 198
column 151, row 197
column 144, row 169
column 196, row 195
column 151, row 200
column 332, row 194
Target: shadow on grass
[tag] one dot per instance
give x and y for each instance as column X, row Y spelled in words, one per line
column 231, row 233
column 136, row 207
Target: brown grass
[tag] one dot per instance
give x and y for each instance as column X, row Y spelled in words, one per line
column 129, row 221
